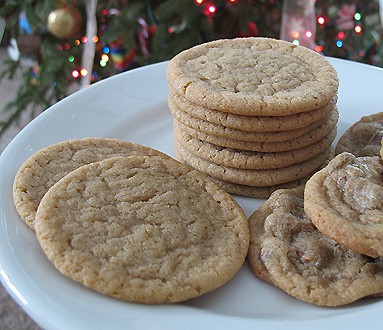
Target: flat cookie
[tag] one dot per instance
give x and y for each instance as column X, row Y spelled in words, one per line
column 345, row 202
column 249, row 159
column 252, row 191
column 251, row 123
column 253, row 76
column 288, row 251
column 235, row 134
column 48, row 165
column 142, row 229
column 328, row 128
column 363, row 137
column 258, row 178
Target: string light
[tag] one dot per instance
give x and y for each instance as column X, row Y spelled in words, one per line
column 84, row 40
column 341, row 35
column 198, row 2
column 83, row 72
column 71, row 58
column 106, row 50
column 75, row 74
column 212, row 9
column 318, row 48
column 295, row 42
column 77, row 42
column 358, row 29
column 104, row 58
column 339, row 43
column 95, row 39
column 102, row 63
column 309, row 34
column 295, row 34
column 321, row 20
column 358, row 16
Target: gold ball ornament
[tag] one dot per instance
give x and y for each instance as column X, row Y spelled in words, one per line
column 64, row 22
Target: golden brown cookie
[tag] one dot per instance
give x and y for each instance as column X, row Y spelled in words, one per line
column 250, row 123
column 253, row 76
column 251, row 160
column 259, row 178
column 236, row 134
column 305, row 140
column 142, row 229
column 363, row 137
column 345, row 202
column 252, row 191
column 288, row 251
column 48, row 165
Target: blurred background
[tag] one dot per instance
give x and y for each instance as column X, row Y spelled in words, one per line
column 52, row 48
column 55, row 47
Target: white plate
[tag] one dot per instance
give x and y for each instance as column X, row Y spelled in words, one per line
column 133, row 106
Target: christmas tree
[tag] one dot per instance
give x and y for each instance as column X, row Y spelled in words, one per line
column 62, row 46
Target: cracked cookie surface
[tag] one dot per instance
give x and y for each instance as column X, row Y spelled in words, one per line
column 363, row 137
column 287, row 250
column 253, row 76
column 48, row 165
column 142, row 229
column 345, row 202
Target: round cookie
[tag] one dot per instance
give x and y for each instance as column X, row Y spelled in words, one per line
column 363, row 137
column 235, row 134
column 305, row 140
column 142, row 229
column 345, row 202
column 248, row 159
column 253, row 76
column 48, row 165
column 259, row 178
column 252, row 191
column 250, row 123
column 287, row 250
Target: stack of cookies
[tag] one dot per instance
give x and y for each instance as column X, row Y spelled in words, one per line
column 255, row 114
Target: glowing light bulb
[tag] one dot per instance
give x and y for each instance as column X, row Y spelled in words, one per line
column 309, row 34
column 321, row 20
column 84, row 72
column 358, row 29
column 104, row 58
column 358, row 16
column 295, row 34
column 341, row 35
column 75, row 74
column 212, row 9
